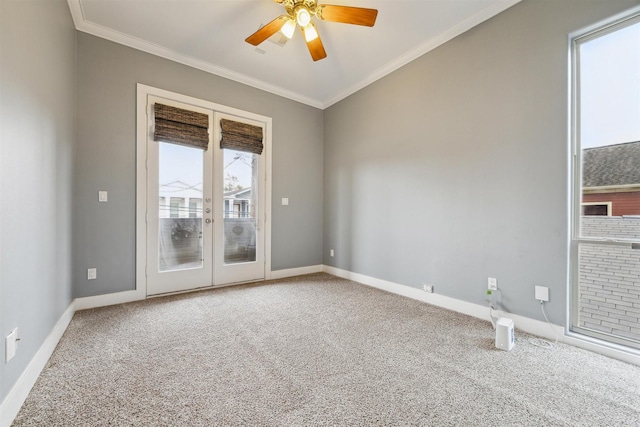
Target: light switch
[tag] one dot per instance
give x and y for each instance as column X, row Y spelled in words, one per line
column 92, row 274
column 285, row 201
column 102, row 196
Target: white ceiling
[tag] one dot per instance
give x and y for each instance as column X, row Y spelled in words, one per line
column 209, row 35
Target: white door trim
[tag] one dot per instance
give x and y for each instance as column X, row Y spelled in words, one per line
column 143, row 92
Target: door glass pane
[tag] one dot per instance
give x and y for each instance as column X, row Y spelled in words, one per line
column 180, row 207
column 240, row 206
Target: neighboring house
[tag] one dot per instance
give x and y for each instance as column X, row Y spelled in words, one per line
column 611, row 180
column 237, row 203
column 180, row 200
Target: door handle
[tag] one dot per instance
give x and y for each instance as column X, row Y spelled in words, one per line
column 208, row 220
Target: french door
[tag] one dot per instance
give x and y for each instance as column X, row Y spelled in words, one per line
column 205, row 209
column 239, row 220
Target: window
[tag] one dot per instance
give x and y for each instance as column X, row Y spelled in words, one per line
column 195, row 208
column 605, row 260
column 175, row 207
column 596, row 209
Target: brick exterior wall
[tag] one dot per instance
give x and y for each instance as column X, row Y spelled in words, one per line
column 609, row 278
column 621, row 203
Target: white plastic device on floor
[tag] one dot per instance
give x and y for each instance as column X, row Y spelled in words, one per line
column 505, row 339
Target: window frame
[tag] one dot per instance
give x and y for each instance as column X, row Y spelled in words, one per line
column 593, row 32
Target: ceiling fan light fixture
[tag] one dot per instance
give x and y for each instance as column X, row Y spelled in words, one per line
column 288, row 28
column 310, row 33
column 301, row 12
column 303, row 16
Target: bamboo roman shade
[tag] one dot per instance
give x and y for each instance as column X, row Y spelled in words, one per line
column 241, row 136
column 180, row 126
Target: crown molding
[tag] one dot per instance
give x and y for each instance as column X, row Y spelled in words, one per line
column 88, row 27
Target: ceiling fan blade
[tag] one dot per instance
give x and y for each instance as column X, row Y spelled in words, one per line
column 315, row 46
column 267, row 31
column 347, row 14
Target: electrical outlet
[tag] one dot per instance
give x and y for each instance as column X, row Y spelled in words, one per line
column 331, row 252
column 492, row 284
column 92, row 274
column 542, row 293
column 428, row 288
column 11, row 345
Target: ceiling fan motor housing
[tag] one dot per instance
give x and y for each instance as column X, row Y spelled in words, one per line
column 294, row 6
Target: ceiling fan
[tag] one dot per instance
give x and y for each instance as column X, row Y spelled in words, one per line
column 300, row 12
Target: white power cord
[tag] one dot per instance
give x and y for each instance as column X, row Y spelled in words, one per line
column 494, row 319
column 492, row 308
column 539, row 342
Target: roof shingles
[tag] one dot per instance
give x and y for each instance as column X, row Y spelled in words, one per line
column 611, row 165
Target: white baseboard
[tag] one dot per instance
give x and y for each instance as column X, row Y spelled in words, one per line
column 471, row 309
column 526, row 324
column 522, row 323
column 107, row 299
column 16, row 397
column 138, row 295
column 299, row 271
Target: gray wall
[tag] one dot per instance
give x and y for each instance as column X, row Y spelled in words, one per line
column 454, row 168
column 37, row 88
column 105, row 160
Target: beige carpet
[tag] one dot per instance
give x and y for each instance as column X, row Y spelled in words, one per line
column 316, row 350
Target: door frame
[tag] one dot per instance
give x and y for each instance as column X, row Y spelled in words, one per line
column 142, row 111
